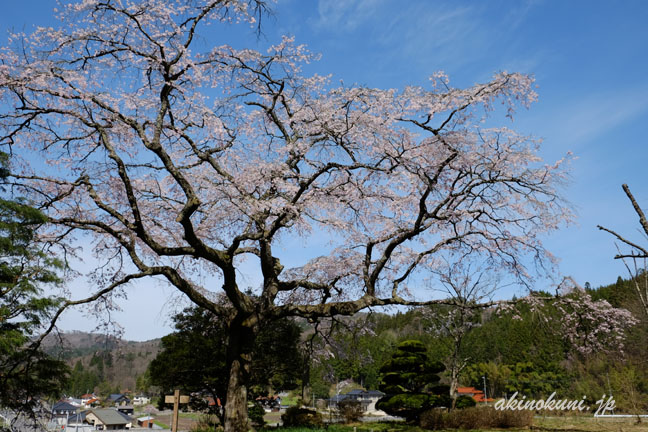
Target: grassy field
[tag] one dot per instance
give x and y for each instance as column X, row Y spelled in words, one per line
column 186, row 421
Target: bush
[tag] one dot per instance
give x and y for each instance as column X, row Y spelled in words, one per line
column 475, row 418
column 464, row 401
column 296, row 416
column 255, row 414
column 350, row 411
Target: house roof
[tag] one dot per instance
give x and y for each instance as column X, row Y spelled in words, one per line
column 365, row 393
column 467, row 390
column 339, row 398
column 87, row 396
column 109, row 416
column 78, row 418
column 478, row 395
column 63, row 406
column 116, row 396
column 126, row 417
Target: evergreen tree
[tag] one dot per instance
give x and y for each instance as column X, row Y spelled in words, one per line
column 26, row 372
column 193, row 359
column 410, row 382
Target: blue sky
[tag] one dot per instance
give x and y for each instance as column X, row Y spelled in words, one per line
column 589, row 58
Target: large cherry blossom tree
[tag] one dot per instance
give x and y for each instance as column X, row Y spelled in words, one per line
column 182, row 160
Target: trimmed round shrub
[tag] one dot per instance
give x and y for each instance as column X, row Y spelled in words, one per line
column 410, row 381
column 465, row 401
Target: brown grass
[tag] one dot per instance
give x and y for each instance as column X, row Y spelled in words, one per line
column 476, row 418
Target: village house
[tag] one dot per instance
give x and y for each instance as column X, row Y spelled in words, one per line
column 86, row 397
column 366, row 398
column 108, row 419
column 478, row 395
column 141, row 400
column 63, row 409
column 118, row 399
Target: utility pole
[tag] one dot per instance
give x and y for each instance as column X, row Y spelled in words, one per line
column 485, row 394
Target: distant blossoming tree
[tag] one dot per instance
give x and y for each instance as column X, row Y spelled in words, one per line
column 587, row 325
column 469, row 288
column 180, row 160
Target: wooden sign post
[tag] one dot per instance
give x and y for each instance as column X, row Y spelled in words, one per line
column 176, row 400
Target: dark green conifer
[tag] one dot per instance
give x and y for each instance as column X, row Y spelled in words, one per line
column 411, row 382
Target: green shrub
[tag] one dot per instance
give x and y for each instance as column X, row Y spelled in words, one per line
column 255, row 414
column 475, row 418
column 296, row 416
column 464, row 401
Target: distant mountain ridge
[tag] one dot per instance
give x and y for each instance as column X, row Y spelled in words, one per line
column 102, row 363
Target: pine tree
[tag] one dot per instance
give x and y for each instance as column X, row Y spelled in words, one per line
column 410, row 380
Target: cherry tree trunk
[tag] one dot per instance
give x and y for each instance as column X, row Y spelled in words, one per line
column 454, row 384
column 239, row 356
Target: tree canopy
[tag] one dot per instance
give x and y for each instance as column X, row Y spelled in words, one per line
column 193, row 358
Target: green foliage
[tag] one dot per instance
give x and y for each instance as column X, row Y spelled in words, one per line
column 82, row 380
column 524, row 377
column 464, row 401
column 508, row 339
column 143, row 382
column 304, row 417
column 26, row 372
column 255, row 414
column 410, row 382
column 193, row 358
column 277, row 362
column 320, row 387
column 358, row 351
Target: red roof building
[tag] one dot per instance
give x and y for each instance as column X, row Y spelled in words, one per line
column 478, row 395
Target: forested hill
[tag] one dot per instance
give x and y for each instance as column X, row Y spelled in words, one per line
column 526, row 353
column 105, row 363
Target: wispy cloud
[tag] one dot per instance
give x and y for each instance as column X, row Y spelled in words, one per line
column 426, row 35
column 345, row 15
column 598, row 114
